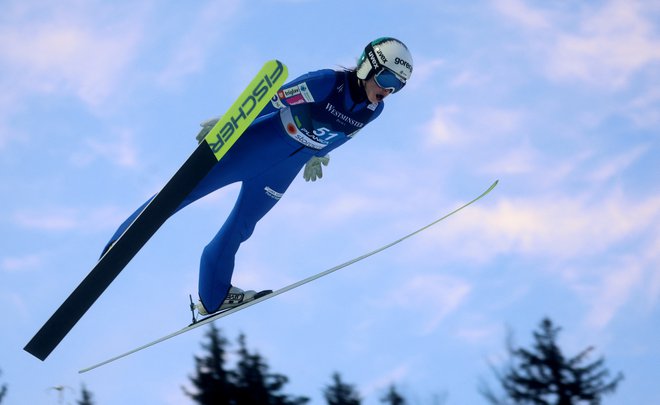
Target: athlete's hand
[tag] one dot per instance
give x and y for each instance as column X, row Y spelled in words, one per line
column 313, row 168
column 206, row 128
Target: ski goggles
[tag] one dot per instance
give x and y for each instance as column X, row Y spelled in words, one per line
column 388, row 80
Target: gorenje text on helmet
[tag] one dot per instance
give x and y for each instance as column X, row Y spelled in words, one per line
column 399, row 61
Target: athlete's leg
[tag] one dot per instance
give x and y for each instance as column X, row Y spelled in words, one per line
column 256, row 148
column 256, row 198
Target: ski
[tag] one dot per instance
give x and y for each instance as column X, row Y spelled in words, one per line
column 203, row 321
column 212, row 148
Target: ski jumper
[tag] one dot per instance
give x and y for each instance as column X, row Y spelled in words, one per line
column 310, row 116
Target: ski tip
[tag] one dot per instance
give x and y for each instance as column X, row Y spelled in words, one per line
column 492, row 186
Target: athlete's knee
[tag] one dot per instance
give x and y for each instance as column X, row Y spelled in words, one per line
column 246, row 230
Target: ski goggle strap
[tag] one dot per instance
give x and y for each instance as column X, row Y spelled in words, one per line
column 389, row 80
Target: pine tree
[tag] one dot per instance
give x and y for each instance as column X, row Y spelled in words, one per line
column 86, row 396
column 211, row 380
column 393, row 397
column 3, row 390
column 254, row 383
column 250, row 383
column 340, row 393
column 543, row 375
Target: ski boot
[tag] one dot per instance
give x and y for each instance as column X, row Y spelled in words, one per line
column 234, row 298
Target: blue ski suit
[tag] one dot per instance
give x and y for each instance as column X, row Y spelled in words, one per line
column 309, row 116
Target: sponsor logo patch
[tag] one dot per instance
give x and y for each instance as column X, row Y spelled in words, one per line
column 298, row 94
column 372, row 59
column 343, row 118
column 405, row 64
column 272, row 193
column 275, row 101
column 291, row 129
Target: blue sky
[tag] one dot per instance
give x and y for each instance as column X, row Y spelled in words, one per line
column 560, row 101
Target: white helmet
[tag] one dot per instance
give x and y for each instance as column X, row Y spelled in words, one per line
column 386, row 54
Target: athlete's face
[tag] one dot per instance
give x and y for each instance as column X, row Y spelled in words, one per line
column 375, row 93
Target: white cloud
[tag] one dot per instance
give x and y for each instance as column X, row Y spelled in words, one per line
column 424, row 70
column 478, row 334
column 613, row 290
column 553, row 226
column 64, row 219
column 364, row 195
column 15, row 304
column 454, row 125
column 194, row 47
column 469, row 78
column 432, row 297
column 652, row 256
column 588, row 243
column 644, row 108
column 617, row 164
column 443, row 129
column 347, row 205
column 607, row 288
column 78, row 49
column 69, row 49
column 498, row 120
column 7, row 109
column 519, row 160
column 21, row 263
column 602, row 45
column 523, row 14
column 120, row 150
column 610, row 46
column 59, row 219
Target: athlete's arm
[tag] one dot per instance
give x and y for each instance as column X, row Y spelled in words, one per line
column 312, row 87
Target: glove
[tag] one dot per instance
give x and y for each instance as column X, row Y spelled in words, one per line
column 313, row 168
column 206, row 128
